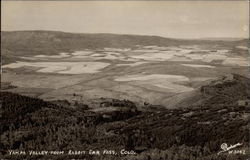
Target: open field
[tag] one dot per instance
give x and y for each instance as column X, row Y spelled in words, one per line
column 61, row 67
column 143, row 71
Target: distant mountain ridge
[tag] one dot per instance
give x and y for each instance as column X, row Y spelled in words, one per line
column 54, row 40
column 30, row 43
column 26, row 43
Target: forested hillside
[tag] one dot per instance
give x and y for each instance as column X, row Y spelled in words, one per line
column 193, row 132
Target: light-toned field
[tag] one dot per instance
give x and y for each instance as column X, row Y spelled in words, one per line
column 198, row 65
column 236, row 61
column 62, row 67
column 154, row 74
column 169, row 78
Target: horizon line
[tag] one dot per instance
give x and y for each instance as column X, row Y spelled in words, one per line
column 72, row 32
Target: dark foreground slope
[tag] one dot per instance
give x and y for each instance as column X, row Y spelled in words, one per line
column 194, row 132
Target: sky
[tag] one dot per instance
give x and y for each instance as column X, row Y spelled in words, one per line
column 175, row 19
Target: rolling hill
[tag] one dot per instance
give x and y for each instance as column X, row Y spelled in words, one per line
column 34, row 124
column 50, row 42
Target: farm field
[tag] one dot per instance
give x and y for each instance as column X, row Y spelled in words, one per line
column 150, row 73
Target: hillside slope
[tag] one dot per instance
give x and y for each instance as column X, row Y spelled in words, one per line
column 188, row 133
column 49, row 42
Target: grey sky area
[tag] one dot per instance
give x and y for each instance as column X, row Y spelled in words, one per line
column 176, row 19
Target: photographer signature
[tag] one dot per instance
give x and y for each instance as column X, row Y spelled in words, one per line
column 226, row 148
